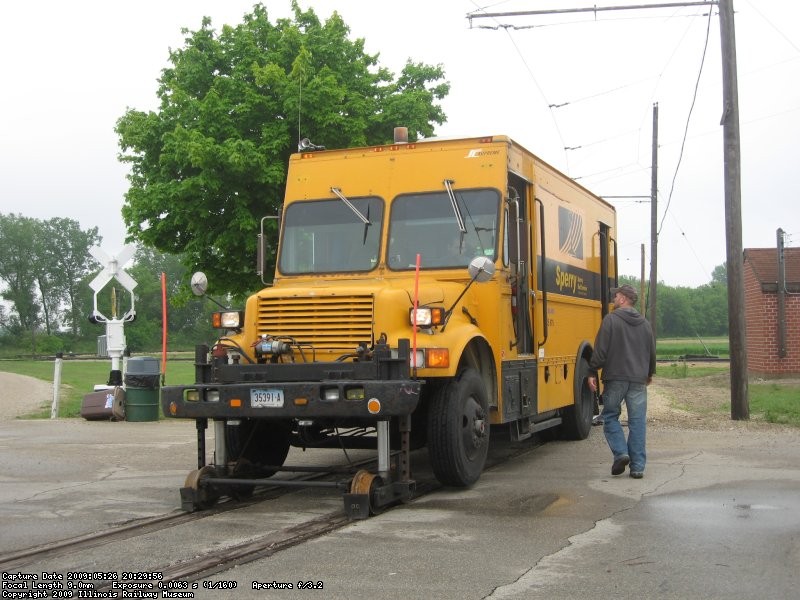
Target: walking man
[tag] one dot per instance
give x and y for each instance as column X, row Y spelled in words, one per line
column 625, row 350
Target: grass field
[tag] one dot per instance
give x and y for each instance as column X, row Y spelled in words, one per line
column 78, row 378
column 778, row 402
column 672, row 348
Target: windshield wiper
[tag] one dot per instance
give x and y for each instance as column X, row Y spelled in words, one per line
column 448, row 185
column 350, row 205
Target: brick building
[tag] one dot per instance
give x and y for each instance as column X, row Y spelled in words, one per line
column 761, row 312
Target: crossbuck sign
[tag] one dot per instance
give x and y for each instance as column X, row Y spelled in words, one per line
column 113, row 270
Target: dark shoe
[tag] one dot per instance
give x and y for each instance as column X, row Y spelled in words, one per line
column 618, row 468
column 637, row 474
column 597, row 420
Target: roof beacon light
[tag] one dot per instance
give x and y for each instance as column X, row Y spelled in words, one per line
column 401, row 135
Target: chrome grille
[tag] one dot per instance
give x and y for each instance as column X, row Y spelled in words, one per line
column 324, row 322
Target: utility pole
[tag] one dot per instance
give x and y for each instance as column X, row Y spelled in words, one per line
column 641, row 282
column 740, row 408
column 652, row 296
column 781, row 296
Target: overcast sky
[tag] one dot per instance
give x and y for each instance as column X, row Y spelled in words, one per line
column 71, row 69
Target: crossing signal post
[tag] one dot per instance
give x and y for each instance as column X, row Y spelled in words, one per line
column 115, row 326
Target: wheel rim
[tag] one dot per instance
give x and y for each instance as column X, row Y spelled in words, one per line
column 473, row 427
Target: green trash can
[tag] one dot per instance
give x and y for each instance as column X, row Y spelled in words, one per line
column 141, row 389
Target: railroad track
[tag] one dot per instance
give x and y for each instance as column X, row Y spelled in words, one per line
column 43, row 552
column 213, row 562
column 207, row 562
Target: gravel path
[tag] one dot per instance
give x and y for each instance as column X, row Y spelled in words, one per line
column 22, row 395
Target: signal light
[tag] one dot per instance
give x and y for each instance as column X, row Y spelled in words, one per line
column 437, row 358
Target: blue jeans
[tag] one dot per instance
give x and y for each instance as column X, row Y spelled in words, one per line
column 635, row 397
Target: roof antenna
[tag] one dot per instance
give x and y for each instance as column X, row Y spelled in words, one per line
column 304, row 144
column 299, row 113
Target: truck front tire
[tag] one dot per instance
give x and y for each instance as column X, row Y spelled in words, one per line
column 458, row 429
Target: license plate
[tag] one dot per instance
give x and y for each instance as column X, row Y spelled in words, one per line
column 266, row 398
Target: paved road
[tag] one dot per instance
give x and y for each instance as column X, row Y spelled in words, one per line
column 716, row 516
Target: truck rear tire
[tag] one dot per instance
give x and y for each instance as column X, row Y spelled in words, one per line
column 458, row 429
column 577, row 419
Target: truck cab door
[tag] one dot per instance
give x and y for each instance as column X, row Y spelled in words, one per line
column 519, row 259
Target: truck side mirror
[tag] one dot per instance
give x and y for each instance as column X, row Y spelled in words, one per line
column 199, row 283
column 481, row 269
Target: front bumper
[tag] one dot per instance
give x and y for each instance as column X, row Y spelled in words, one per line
column 301, row 400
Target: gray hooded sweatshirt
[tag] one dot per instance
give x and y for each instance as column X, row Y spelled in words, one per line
column 625, row 348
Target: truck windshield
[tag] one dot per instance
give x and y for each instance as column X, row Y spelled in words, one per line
column 326, row 236
column 426, row 224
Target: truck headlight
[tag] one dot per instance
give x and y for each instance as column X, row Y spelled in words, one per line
column 231, row 319
column 426, row 316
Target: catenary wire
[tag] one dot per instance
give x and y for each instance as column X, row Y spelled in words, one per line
column 688, row 119
column 536, row 83
column 771, row 24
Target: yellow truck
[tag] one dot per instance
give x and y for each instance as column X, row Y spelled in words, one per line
column 424, row 294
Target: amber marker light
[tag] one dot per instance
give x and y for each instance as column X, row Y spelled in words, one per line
column 173, row 409
column 236, row 403
column 437, row 358
column 374, row 406
column 300, row 401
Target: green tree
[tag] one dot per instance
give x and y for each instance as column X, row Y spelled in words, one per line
column 71, row 264
column 676, row 312
column 188, row 321
column 212, row 160
column 44, row 274
column 720, row 274
column 61, row 261
column 17, row 235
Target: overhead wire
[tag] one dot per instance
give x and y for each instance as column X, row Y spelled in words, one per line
column 600, row 94
column 771, row 24
column 536, row 83
column 646, row 112
column 685, row 137
column 688, row 120
column 611, row 170
column 552, row 106
column 691, row 248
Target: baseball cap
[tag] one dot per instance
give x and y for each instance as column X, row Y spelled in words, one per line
column 626, row 290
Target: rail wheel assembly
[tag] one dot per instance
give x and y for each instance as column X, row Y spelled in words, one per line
column 362, row 501
column 196, row 493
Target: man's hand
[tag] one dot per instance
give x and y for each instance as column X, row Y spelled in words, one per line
column 592, row 381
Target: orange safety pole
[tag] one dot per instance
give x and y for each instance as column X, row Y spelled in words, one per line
column 414, row 324
column 163, row 327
